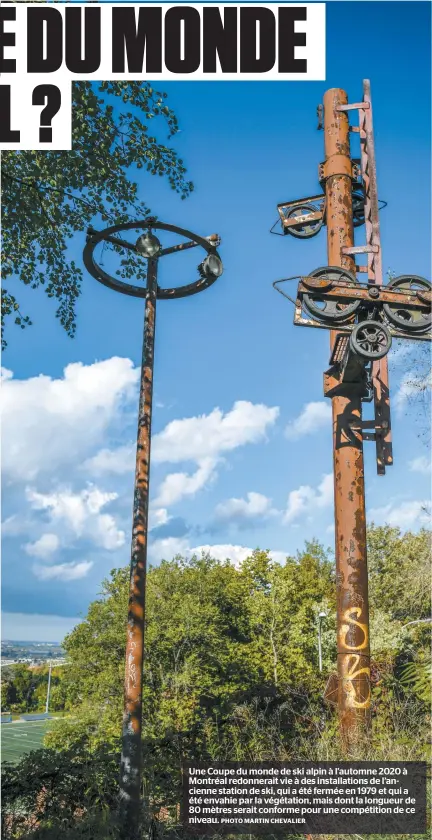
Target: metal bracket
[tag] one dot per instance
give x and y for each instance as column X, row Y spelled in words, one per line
column 335, row 386
column 339, row 349
column 285, row 206
column 337, row 165
column 355, row 106
column 360, row 249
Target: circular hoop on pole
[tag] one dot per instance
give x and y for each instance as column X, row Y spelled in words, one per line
column 149, row 248
column 94, row 237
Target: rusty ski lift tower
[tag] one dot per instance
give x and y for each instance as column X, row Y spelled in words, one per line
column 362, row 316
column 149, row 247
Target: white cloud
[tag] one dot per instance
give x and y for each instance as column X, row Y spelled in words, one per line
column 166, row 549
column 313, row 416
column 63, row 571
column 157, row 517
column 33, row 627
column 44, row 547
column 404, row 515
column 15, row 525
column 50, row 423
column 235, row 553
column 422, row 464
column 306, row 499
column 79, row 513
column 117, row 461
column 254, row 506
column 209, row 435
column 204, row 440
column 177, row 485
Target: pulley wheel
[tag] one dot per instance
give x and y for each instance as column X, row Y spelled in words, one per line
column 371, row 340
column 331, row 310
column 305, row 229
column 402, row 316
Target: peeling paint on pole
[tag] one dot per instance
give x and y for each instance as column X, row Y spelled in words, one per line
column 350, row 519
column 208, row 272
column 131, row 760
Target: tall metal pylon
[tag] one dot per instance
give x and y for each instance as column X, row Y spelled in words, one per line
column 362, row 318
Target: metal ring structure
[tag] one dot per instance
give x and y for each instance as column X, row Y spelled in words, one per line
column 403, row 317
column 140, row 291
column 371, row 340
column 304, row 230
column 333, row 311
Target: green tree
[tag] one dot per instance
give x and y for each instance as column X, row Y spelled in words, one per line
column 49, row 196
column 25, row 681
column 399, row 572
column 57, row 690
column 219, row 641
column 8, row 690
column 231, row 673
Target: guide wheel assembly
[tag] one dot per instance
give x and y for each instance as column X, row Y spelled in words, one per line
column 402, row 316
column 333, row 310
column 371, row 340
column 305, row 229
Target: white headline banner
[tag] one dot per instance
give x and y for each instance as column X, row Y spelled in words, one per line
column 45, row 46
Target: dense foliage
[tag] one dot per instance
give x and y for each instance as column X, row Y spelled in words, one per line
column 24, row 689
column 49, row 196
column 231, row 673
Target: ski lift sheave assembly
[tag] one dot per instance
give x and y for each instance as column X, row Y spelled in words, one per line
column 332, row 298
column 304, row 218
column 349, row 298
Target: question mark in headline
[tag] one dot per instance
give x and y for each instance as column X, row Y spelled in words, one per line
column 53, row 95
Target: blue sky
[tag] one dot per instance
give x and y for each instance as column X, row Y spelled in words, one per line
column 250, row 448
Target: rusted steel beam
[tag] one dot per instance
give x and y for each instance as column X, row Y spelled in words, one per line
column 380, row 377
column 302, row 320
column 184, row 246
column 297, row 220
column 350, row 520
column 372, row 294
column 131, row 759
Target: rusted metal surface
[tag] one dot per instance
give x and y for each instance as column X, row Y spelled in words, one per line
column 380, row 378
column 346, row 291
column 339, row 349
column 214, row 239
column 94, row 237
column 338, row 166
column 362, row 318
column 285, row 206
column 306, row 320
column 425, row 296
column 131, row 758
column 350, row 520
column 294, row 221
column 354, row 106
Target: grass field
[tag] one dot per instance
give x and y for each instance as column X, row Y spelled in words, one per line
column 21, row 737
